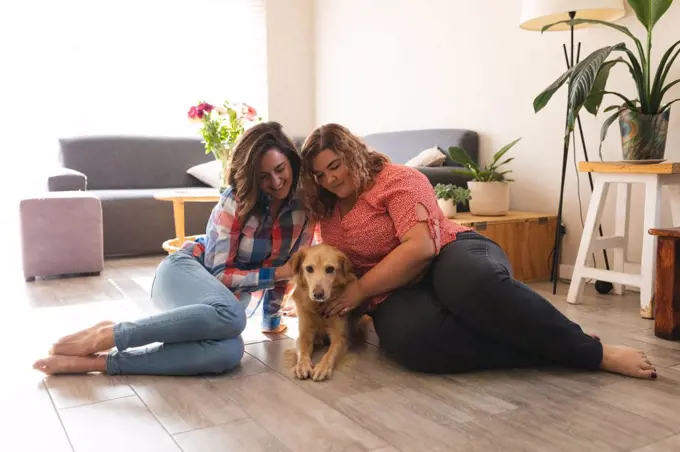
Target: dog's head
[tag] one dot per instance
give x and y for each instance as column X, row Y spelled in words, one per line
column 322, row 271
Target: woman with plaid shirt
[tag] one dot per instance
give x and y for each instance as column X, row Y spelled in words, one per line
column 205, row 288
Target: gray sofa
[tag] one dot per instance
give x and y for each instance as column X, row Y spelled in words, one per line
column 125, row 172
column 401, row 146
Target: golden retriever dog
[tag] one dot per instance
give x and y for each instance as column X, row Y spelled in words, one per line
column 321, row 274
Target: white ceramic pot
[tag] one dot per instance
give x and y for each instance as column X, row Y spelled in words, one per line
column 448, row 207
column 489, row 198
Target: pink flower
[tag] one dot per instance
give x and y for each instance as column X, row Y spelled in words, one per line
column 248, row 112
column 204, row 108
column 198, row 112
column 193, row 113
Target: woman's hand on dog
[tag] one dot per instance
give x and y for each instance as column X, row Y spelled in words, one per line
column 350, row 299
column 284, row 272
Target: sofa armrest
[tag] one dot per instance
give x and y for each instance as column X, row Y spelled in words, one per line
column 65, row 179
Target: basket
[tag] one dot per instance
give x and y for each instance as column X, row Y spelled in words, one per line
column 172, row 245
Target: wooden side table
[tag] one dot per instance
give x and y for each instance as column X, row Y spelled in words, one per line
column 653, row 177
column 178, row 198
column 667, row 284
column 526, row 237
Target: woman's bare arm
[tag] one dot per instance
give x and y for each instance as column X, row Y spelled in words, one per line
column 405, row 264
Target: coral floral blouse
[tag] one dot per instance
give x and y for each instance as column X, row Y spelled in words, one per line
column 382, row 215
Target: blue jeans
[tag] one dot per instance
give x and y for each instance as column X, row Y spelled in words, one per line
column 199, row 332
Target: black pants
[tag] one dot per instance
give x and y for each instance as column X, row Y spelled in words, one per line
column 468, row 313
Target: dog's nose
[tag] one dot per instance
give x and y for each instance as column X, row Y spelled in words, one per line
column 318, row 293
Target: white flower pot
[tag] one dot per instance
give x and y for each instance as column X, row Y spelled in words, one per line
column 448, row 207
column 489, row 198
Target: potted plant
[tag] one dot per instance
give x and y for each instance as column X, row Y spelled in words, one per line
column 221, row 127
column 489, row 187
column 449, row 196
column 643, row 120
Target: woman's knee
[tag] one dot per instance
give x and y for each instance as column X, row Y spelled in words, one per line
column 230, row 313
column 466, row 267
column 223, row 356
column 404, row 345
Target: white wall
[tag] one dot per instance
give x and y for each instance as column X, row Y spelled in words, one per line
column 406, row 64
column 290, row 64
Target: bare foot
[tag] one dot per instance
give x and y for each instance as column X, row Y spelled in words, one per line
column 627, row 361
column 91, row 340
column 60, row 364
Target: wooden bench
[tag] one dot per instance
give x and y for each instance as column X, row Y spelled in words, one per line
column 667, row 284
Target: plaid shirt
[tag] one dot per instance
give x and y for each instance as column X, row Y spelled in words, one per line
column 244, row 256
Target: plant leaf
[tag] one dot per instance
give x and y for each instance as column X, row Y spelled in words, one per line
column 605, row 126
column 504, row 149
column 669, row 86
column 662, row 72
column 542, row 99
column 506, row 161
column 461, row 157
column 668, row 104
column 628, row 102
column 592, row 103
column 637, row 73
column 583, row 79
column 620, row 28
column 649, row 11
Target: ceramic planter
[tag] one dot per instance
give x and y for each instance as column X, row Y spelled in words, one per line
column 489, row 198
column 448, row 207
column 643, row 137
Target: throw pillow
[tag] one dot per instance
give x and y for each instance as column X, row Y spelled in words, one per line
column 429, row 157
column 208, row 173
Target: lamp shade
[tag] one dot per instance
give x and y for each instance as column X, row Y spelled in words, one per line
column 538, row 13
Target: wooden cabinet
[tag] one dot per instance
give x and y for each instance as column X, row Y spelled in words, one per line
column 526, row 237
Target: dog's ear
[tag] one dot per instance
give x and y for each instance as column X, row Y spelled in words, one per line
column 346, row 265
column 296, row 261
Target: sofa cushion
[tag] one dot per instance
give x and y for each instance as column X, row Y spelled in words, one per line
column 122, row 162
column 429, row 157
column 208, row 173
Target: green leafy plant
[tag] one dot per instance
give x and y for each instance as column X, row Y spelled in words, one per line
column 459, row 195
column 490, row 172
column 221, row 126
column 588, row 78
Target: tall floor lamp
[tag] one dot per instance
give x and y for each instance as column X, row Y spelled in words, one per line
column 535, row 15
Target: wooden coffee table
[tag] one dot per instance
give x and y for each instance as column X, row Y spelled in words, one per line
column 179, row 197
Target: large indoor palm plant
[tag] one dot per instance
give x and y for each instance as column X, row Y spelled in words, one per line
column 643, row 120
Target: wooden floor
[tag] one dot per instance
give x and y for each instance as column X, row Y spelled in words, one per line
column 369, row 405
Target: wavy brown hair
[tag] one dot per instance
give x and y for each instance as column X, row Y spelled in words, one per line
column 363, row 165
column 245, row 157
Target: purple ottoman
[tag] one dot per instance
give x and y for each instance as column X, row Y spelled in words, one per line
column 61, row 234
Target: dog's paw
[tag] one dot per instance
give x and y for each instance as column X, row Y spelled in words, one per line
column 303, row 369
column 322, row 371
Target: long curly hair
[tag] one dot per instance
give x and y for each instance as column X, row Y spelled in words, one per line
column 363, row 165
column 245, row 157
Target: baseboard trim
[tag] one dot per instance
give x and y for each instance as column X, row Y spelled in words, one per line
column 629, row 267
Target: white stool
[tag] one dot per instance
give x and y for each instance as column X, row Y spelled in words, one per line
column 653, row 177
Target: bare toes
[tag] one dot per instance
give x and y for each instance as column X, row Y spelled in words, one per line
column 649, row 374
